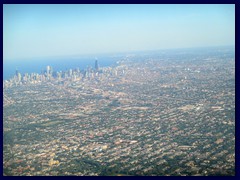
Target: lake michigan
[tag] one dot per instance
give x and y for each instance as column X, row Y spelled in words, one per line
column 58, row 64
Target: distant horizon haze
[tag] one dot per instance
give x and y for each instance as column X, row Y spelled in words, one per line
column 61, row 63
column 113, row 54
column 47, row 30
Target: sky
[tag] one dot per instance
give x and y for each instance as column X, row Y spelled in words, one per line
column 33, row 31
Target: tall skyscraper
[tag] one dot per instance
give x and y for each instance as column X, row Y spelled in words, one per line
column 19, row 77
column 51, row 71
column 96, row 65
column 70, row 72
column 48, row 70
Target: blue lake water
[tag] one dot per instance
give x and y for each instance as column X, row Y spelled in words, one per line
column 58, row 64
column 65, row 63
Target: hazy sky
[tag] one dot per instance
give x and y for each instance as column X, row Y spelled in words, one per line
column 53, row 30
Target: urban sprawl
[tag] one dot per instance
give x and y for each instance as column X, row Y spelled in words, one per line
column 150, row 114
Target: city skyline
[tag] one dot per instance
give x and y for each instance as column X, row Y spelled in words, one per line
column 35, row 31
column 155, row 114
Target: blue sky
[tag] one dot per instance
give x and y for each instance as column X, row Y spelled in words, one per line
column 32, row 31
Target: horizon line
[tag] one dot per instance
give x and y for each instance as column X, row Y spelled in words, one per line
column 88, row 55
